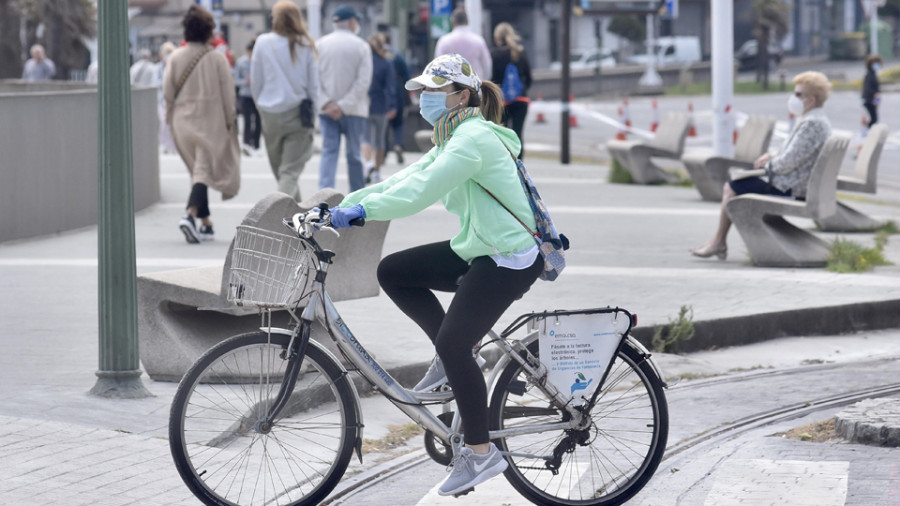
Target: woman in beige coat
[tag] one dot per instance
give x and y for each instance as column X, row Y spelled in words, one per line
column 199, row 94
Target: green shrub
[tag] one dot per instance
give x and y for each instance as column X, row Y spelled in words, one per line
column 667, row 338
column 618, row 174
column 848, row 256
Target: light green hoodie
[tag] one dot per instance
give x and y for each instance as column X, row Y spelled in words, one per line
column 477, row 153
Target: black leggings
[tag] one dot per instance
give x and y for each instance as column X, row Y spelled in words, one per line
column 483, row 293
column 514, row 116
column 200, row 198
column 873, row 113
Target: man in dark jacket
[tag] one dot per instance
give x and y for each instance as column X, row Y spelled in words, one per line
column 871, row 93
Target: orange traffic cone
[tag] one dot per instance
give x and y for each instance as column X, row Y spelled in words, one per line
column 540, row 118
column 790, row 122
column 573, row 120
column 626, row 112
column 622, row 134
column 692, row 131
column 654, row 118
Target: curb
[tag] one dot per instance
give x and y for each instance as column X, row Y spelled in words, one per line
column 748, row 329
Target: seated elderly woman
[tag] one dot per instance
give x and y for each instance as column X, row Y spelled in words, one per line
column 787, row 173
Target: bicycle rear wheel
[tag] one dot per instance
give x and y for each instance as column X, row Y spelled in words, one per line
column 601, row 465
column 226, row 457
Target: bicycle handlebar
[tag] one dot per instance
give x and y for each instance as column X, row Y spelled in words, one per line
column 306, row 224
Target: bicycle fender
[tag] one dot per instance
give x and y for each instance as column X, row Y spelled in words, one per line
column 325, row 351
column 640, row 348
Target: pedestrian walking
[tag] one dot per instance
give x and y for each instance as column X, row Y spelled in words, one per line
column 246, row 105
column 512, row 72
column 787, row 173
column 871, row 90
column 461, row 40
column 199, row 93
column 144, row 72
column 382, row 108
column 491, row 262
column 345, row 73
column 165, row 133
column 401, row 74
column 38, row 67
column 284, row 79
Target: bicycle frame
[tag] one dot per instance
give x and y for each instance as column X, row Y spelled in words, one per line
column 320, row 308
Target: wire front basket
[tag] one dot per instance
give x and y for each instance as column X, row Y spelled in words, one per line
column 268, row 269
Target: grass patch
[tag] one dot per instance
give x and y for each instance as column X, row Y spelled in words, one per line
column 740, row 87
column 618, row 174
column 397, row 435
column 667, row 338
column 816, row 432
column 889, row 228
column 848, row 256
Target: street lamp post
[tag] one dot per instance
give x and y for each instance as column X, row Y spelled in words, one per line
column 119, row 375
column 723, row 77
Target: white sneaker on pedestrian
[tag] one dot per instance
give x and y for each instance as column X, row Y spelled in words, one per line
column 188, row 227
column 435, row 376
column 470, row 469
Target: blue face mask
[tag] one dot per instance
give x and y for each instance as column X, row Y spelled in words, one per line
column 876, row 67
column 433, row 105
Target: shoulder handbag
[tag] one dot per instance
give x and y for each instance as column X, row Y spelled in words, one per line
column 306, row 113
column 551, row 243
column 189, row 70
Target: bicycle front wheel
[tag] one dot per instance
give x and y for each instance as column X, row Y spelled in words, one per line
column 605, row 463
column 223, row 452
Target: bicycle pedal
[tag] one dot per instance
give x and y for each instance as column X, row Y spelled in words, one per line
column 464, row 492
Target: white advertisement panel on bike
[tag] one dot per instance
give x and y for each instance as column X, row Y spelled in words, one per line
column 577, row 348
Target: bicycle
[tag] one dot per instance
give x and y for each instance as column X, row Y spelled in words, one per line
column 272, row 417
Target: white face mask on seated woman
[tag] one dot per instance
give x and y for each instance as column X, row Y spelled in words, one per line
column 795, row 105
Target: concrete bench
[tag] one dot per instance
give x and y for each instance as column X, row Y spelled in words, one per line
column 635, row 156
column 770, row 239
column 709, row 172
column 864, row 180
column 173, row 327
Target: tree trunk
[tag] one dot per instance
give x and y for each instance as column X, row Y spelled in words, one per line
column 762, row 53
column 10, row 45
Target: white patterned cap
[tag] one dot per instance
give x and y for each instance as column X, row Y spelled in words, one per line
column 444, row 69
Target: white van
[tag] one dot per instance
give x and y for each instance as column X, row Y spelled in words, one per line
column 682, row 50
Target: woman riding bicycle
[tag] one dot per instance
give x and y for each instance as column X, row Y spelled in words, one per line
column 489, row 264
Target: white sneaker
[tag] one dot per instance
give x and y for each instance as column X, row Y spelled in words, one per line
column 470, row 469
column 436, row 376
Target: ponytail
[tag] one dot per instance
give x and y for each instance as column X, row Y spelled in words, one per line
column 491, row 102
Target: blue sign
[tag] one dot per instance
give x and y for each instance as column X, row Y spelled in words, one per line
column 441, row 7
column 671, row 9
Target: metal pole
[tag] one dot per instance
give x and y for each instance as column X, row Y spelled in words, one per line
column 473, row 12
column 314, row 18
column 723, row 77
column 651, row 80
column 119, row 375
column 873, row 27
column 566, row 90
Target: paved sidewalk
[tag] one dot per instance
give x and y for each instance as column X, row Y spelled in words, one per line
column 58, row 445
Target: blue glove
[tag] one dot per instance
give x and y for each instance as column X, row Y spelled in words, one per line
column 342, row 216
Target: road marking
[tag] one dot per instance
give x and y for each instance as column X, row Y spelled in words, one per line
column 815, row 277
column 772, row 482
column 92, row 262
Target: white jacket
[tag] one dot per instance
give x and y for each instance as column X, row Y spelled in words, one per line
column 345, row 72
column 277, row 83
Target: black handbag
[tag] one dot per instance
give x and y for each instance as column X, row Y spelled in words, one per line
column 306, row 113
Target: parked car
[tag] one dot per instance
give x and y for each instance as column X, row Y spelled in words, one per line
column 587, row 59
column 747, row 53
column 670, row 51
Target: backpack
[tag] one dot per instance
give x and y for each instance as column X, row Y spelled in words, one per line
column 512, row 84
